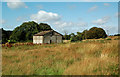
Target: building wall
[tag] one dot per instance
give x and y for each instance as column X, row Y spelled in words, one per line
column 53, row 39
column 59, row 39
column 48, row 38
column 37, row 39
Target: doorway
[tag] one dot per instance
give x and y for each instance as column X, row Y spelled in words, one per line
column 50, row 41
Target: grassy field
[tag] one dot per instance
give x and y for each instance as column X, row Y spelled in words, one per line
column 79, row 58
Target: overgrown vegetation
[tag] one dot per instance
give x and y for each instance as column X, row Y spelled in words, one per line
column 4, row 35
column 90, row 57
column 93, row 33
column 28, row 29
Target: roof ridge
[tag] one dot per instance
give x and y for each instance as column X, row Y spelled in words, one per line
column 45, row 32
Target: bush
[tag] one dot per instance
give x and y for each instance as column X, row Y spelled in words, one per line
column 108, row 39
column 11, row 41
column 73, row 39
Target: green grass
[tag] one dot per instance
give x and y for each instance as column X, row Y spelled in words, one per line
column 77, row 58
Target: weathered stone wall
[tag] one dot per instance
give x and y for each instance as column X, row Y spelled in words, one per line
column 59, row 39
column 53, row 39
column 48, row 38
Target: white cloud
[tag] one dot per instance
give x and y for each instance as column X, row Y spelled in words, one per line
column 62, row 26
column 43, row 16
column 15, row 5
column 110, row 29
column 106, row 4
column 56, row 21
column 92, row 8
column 101, row 21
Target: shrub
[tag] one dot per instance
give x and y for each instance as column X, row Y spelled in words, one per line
column 73, row 39
column 108, row 39
column 11, row 41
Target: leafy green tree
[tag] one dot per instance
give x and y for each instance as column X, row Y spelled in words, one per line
column 95, row 33
column 117, row 35
column 73, row 37
column 84, row 34
column 4, row 35
column 66, row 37
column 26, row 31
column 79, row 36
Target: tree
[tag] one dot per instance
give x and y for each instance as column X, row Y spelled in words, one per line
column 26, row 31
column 79, row 36
column 117, row 35
column 84, row 34
column 95, row 33
column 66, row 36
column 5, row 35
column 73, row 37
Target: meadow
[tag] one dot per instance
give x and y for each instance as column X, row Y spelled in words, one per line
column 89, row 57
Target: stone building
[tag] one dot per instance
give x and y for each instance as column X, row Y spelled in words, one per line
column 49, row 36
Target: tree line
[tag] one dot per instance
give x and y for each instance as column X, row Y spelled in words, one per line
column 25, row 32
column 93, row 33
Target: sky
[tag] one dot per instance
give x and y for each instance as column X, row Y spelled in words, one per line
column 64, row 17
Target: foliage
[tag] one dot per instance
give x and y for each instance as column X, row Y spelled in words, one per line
column 79, row 36
column 5, row 35
column 117, row 35
column 93, row 33
column 84, row 34
column 11, row 41
column 66, row 37
column 108, row 39
column 96, row 33
column 73, row 37
column 26, row 31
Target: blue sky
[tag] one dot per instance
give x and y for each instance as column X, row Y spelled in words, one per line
column 62, row 16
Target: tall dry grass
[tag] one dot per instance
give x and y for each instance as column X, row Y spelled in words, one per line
column 80, row 58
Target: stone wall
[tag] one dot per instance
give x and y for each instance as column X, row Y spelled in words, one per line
column 48, row 38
